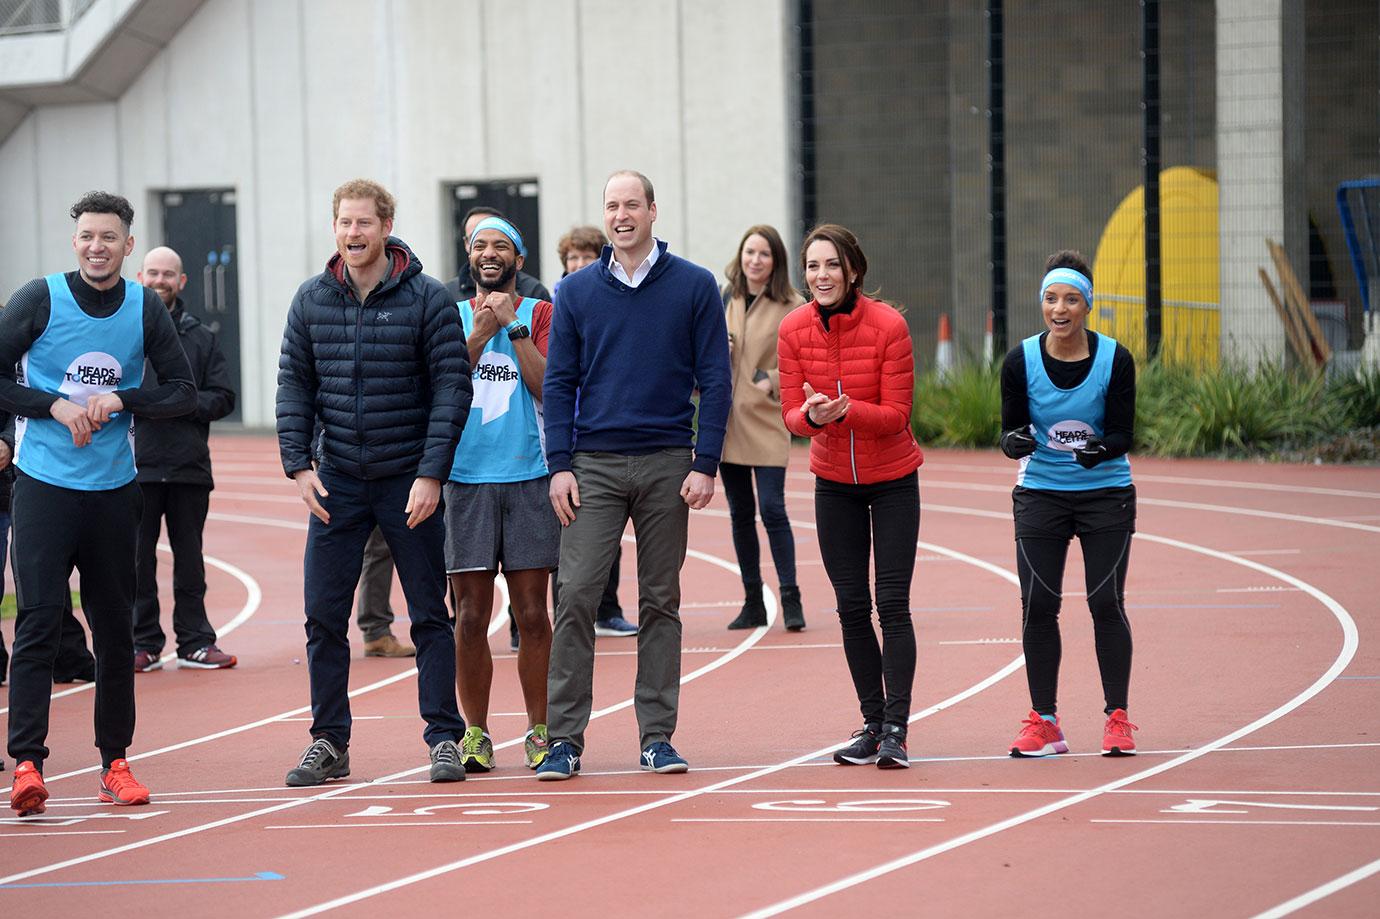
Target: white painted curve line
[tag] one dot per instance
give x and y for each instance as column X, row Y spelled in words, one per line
column 554, row 835
column 1344, row 656
column 254, row 598
column 1324, row 890
column 498, row 620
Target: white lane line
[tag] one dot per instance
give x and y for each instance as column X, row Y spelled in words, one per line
column 253, row 599
column 1249, row 822
column 63, row 833
column 356, row 826
column 1168, row 480
column 499, row 619
column 1323, row 890
column 1165, row 502
column 807, row 819
column 554, row 835
column 1350, row 641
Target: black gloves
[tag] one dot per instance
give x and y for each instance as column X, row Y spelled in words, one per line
column 1091, row 453
column 1017, row 444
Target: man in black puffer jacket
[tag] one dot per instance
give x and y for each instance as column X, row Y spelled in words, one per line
column 373, row 348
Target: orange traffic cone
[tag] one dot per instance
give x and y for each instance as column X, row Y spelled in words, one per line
column 944, row 350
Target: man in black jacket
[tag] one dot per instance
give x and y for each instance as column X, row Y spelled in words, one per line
column 175, row 478
column 373, row 348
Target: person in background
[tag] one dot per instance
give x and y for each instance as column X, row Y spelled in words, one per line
column 373, row 608
column 1068, row 413
column 847, row 383
column 756, row 444
column 174, row 458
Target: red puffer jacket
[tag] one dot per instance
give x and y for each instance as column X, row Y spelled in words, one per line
column 866, row 354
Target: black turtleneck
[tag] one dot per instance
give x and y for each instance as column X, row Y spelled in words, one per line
column 25, row 317
column 844, row 307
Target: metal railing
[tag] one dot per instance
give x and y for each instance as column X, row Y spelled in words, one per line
column 20, row 17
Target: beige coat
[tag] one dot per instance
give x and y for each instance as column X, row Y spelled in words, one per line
column 756, row 435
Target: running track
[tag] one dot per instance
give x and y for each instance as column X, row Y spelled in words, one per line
column 1252, row 595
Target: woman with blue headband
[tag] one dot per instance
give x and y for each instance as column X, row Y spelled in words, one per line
column 1068, row 413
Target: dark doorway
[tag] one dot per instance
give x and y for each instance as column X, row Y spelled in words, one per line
column 517, row 198
column 200, row 225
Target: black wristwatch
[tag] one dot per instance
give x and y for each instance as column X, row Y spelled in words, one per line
column 519, row 331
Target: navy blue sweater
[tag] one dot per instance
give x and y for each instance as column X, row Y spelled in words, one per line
column 632, row 358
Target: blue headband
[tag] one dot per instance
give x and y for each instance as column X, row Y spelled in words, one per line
column 504, row 227
column 1070, row 277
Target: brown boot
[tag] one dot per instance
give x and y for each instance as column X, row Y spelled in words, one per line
column 388, row 646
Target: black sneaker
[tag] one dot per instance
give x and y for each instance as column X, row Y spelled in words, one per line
column 320, row 761
column 445, row 763
column 863, row 749
column 891, row 752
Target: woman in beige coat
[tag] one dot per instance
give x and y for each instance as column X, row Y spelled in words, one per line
column 756, row 445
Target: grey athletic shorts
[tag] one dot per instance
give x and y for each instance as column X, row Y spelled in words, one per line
column 507, row 524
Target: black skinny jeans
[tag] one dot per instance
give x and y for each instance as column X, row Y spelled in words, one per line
column 881, row 520
column 1103, row 521
column 742, row 513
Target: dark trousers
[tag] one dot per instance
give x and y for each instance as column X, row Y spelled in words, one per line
column 333, row 558
column 73, row 661
column 1046, row 522
column 881, row 520
column 185, row 508
column 770, row 501
column 56, row 529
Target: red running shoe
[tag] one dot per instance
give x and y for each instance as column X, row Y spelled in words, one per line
column 1039, row 738
column 118, row 786
column 28, row 793
column 1116, row 735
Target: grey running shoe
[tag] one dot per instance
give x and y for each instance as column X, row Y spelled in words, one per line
column 863, row 749
column 320, row 761
column 445, row 763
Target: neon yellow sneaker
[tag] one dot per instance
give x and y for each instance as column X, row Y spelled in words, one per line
column 476, row 750
column 536, row 745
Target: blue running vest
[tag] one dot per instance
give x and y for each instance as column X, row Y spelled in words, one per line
column 80, row 356
column 1062, row 419
column 503, row 439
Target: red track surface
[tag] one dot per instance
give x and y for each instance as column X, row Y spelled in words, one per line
column 1258, row 782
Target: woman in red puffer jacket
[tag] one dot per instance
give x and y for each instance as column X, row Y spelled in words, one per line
column 847, row 381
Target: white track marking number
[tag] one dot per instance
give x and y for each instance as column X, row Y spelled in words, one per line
column 874, row 805
column 472, row 809
column 74, row 819
column 1214, row 806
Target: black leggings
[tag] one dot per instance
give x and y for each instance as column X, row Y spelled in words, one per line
column 1041, row 551
column 881, row 520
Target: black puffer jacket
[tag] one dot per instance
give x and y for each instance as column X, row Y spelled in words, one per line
column 388, row 379
column 175, row 450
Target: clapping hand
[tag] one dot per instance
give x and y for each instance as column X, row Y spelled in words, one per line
column 820, row 409
column 1091, row 453
column 1017, row 444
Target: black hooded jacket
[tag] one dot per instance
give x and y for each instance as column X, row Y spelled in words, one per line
column 389, row 379
column 174, row 450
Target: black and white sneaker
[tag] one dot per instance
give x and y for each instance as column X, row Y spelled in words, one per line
column 863, row 749
column 891, row 752
column 320, row 761
column 445, row 763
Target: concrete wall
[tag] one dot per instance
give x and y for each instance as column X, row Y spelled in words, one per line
column 284, row 99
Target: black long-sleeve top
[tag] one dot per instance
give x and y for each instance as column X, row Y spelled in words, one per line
column 26, row 315
column 1120, row 420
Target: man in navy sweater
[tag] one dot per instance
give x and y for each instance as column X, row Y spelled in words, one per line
column 633, row 335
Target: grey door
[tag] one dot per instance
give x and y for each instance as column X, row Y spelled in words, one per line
column 200, row 225
column 517, row 198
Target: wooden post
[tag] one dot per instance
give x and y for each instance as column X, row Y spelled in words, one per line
column 1297, row 337
column 1295, row 297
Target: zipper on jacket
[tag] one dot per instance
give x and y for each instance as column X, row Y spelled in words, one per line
column 359, row 384
column 852, row 454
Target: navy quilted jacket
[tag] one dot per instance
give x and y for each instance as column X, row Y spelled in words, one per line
column 389, row 379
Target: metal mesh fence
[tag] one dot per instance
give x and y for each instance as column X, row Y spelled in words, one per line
column 18, row 17
column 1265, row 108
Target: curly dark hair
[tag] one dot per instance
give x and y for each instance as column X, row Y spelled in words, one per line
column 103, row 202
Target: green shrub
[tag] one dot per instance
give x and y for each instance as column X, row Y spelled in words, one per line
column 960, row 409
column 1358, row 398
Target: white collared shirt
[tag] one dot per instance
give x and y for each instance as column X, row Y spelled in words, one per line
column 640, row 273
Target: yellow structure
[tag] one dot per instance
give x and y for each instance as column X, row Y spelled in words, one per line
column 1191, row 319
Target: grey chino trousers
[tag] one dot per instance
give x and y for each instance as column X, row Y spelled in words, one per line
column 613, row 489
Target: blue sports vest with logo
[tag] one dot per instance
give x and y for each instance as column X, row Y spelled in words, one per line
column 503, row 439
column 80, row 356
column 1063, row 419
